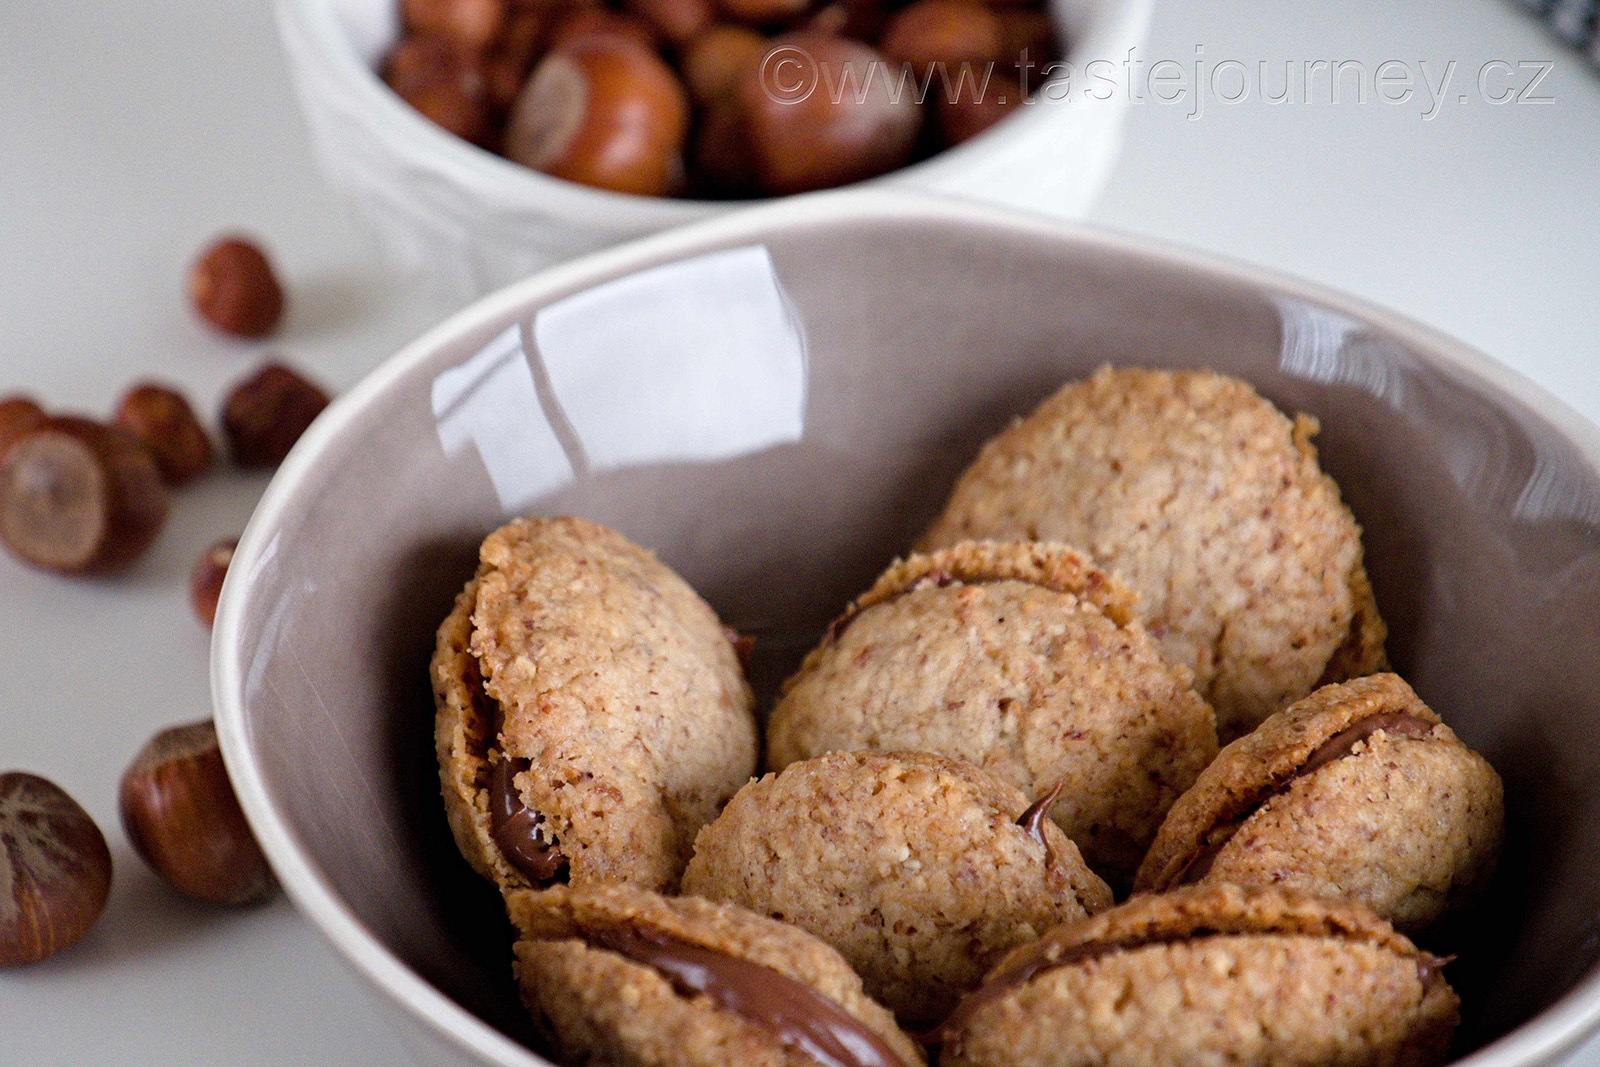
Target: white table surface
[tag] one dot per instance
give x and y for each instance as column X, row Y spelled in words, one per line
column 131, row 132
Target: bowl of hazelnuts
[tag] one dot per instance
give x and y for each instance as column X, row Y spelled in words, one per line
column 479, row 140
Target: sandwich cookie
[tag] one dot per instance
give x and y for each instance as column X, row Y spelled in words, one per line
column 592, row 713
column 920, row 870
column 1025, row 659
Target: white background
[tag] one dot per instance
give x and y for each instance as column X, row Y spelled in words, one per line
column 131, row 132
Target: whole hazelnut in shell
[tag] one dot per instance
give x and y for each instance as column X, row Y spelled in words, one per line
column 605, row 112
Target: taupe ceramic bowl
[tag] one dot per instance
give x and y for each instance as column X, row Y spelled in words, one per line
column 777, row 410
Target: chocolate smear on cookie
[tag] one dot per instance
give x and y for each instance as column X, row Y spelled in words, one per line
column 518, row 830
column 793, row 1012
column 1337, row 747
column 1032, row 821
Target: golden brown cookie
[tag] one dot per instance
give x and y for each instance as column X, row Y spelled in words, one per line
column 1358, row 792
column 1210, row 974
column 1023, row 658
column 592, row 715
column 920, row 870
column 625, row 977
column 1210, row 504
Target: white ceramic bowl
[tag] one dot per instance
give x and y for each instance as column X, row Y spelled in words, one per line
column 776, row 402
column 469, row 221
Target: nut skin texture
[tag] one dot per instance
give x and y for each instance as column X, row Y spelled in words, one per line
column 183, row 819
column 678, row 21
column 812, row 142
column 969, row 114
column 205, row 580
column 933, row 33
column 603, row 112
column 57, row 869
column 764, row 12
column 18, row 415
column 472, row 24
column 266, row 413
column 232, row 286
column 506, row 65
column 446, row 83
column 163, row 420
column 862, row 19
column 79, row 497
column 715, row 60
column 601, row 22
column 1027, row 36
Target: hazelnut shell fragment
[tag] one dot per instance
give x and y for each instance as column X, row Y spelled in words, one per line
column 55, row 869
column 77, row 496
column 182, row 817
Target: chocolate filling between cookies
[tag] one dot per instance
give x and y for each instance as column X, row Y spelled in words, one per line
column 518, row 830
column 1048, row 954
column 1032, row 822
column 791, row 1011
column 1337, row 747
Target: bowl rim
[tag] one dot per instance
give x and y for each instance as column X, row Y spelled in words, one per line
column 314, row 24
column 1555, row 1030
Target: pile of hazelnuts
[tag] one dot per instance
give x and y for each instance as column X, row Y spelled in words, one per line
column 718, row 99
column 84, row 496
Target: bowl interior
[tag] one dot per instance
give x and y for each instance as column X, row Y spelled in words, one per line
column 848, row 363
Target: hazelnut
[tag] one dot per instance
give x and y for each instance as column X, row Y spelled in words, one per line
column 163, row 420
column 601, row 22
column 723, row 167
column 205, row 580
column 444, row 82
column 57, row 871
column 765, row 12
column 933, row 34
column 506, row 66
column 1027, row 36
column 830, row 120
column 78, row 497
column 968, row 114
column 677, row 21
column 472, row 24
column 232, row 287
column 714, row 61
column 266, row 413
column 862, row 19
column 18, row 415
column 183, row 819
column 605, row 112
